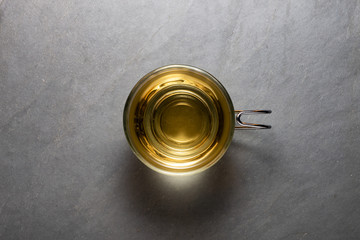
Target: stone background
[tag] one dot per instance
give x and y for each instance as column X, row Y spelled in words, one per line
column 67, row 172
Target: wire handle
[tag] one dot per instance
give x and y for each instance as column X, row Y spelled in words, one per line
column 250, row 126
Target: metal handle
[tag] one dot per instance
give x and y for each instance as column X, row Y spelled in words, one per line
column 243, row 125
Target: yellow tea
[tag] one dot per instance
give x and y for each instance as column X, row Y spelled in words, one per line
column 179, row 120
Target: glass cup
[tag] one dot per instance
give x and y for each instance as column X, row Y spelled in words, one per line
column 179, row 119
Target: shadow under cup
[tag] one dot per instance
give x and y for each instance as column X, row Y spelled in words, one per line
column 179, row 120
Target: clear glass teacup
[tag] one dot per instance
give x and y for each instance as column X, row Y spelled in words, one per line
column 179, row 119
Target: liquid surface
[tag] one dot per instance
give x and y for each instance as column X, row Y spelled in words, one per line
column 179, row 121
column 183, row 121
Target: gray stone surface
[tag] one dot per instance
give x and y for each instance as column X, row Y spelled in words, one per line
column 67, row 172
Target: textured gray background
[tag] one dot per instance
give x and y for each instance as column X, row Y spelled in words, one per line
column 67, row 172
